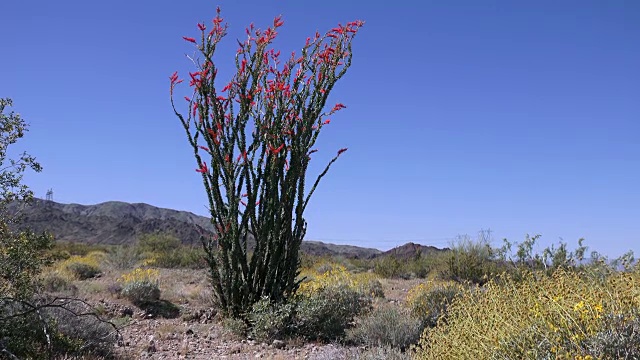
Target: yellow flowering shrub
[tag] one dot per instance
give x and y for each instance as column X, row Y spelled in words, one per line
column 141, row 286
column 82, row 267
column 536, row 317
column 140, row 275
column 337, row 275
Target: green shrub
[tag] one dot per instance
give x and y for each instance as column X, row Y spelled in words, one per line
column 83, row 271
column 327, row 312
column 471, row 261
column 65, row 249
column 140, row 286
column 82, row 267
column 53, row 282
column 235, row 328
column 619, row 338
column 270, row 321
column 387, row 326
column 123, row 257
column 141, row 292
column 372, row 288
column 390, row 267
column 166, row 251
column 429, row 301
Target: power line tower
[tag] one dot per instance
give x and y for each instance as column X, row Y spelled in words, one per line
column 49, row 195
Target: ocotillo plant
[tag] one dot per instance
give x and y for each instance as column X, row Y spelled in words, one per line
column 252, row 140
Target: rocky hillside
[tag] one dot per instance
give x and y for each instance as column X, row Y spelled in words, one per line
column 410, row 250
column 116, row 222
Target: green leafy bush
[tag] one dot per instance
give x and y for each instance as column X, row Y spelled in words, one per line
column 471, row 261
column 166, row 251
column 327, row 312
column 390, row 267
column 141, row 286
column 387, row 326
column 270, row 321
column 123, row 257
column 82, row 267
column 234, row 328
column 141, row 292
column 429, row 301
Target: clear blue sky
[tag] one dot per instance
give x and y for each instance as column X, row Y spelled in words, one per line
column 522, row 117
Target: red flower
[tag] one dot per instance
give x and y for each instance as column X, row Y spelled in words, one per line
column 187, row 98
column 205, row 149
column 189, row 39
column 342, row 150
column 274, row 150
column 174, row 79
column 203, row 168
column 338, row 107
column 277, row 22
column 326, row 122
column 202, row 27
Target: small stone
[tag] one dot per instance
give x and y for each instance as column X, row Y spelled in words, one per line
column 151, row 347
column 278, row 344
column 189, row 332
column 127, row 311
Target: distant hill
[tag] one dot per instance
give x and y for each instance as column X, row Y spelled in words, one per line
column 112, row 222
column 116, row 222
column 410, row 250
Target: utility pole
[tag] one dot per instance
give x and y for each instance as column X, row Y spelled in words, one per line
column 49, row 195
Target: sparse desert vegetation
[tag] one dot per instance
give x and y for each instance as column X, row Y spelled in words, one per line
column 577, row 309
column 127, row 281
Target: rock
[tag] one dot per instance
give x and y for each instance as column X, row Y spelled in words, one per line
column 151, row 348
column 189, row 331
column 278, row 344
column 127, row 311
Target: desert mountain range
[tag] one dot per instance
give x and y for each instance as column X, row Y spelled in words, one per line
column 116, row 222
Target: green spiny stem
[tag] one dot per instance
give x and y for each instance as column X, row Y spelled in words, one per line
column 255, row 182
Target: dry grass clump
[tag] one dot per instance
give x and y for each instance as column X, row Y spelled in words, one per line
column 535, row 317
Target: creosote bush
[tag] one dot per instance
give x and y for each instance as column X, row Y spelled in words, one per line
column 253, row 138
